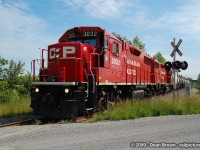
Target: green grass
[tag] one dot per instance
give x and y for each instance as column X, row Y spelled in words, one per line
column 196, row 87
column 159, row 106
column 18, row 107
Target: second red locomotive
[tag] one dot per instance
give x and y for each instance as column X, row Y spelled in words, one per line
column 89, row 67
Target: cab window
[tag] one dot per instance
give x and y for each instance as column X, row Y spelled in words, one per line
column 91, row 42
column 106, row 42
column 115, row 49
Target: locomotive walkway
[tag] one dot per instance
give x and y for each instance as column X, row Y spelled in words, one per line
column 104, row 135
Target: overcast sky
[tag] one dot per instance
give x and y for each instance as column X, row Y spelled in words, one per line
column 27, row 25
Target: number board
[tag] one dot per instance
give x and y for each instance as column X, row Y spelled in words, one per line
column 71, row 35
column 89, row 33
column 85, row 34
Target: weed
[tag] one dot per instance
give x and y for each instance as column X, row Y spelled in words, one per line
column 37, row 122
column 65, row 121
column 160, row 106
column 15, row 108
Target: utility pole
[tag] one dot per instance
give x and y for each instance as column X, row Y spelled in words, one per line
column 174, row 59
column 178, row 81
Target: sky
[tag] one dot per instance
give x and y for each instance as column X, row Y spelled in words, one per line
column 27, row 25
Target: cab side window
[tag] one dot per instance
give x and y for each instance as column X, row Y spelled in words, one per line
column 106, row 42
column 115, row 49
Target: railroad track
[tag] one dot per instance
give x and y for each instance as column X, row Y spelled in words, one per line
column 43, row 121
column 82, row 119
column 18, row 123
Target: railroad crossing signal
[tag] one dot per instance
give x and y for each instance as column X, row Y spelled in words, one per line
column 184, row 65
column 168, row 65
column 176, row 65
column 176, row 48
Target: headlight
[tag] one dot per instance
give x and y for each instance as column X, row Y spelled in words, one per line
column 37, row 90
column 66, row 90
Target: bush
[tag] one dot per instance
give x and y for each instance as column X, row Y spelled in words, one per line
column 3, row 85
column 22, row 91
column 197, row 87
column 9, row 96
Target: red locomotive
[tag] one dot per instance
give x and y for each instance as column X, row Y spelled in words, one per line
column 89, row 67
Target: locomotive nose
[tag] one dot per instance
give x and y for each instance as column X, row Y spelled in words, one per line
column 48, row 100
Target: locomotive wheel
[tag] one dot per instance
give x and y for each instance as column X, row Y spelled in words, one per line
column 103, row 104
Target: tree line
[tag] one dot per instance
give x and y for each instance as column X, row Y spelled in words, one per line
column 13, row 82
column 198, row 79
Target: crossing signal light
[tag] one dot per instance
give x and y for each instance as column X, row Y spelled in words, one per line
column 184, row 65
column 180, row 65
column 168, row 65
column 176, row 65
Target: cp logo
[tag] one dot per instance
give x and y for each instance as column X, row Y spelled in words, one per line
column 68, row 50
column 55, row 53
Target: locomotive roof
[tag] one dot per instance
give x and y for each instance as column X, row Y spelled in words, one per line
column 87, row 28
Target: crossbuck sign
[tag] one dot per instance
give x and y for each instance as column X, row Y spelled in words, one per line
column 176, row 48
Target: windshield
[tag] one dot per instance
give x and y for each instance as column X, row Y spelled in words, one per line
column 91, row 42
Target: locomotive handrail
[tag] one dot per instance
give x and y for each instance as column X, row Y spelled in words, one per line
column 43, row 62
column 84, row 61
column 93, row 78
column 33, row 67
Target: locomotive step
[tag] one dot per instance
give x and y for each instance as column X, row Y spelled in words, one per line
column 89, row 109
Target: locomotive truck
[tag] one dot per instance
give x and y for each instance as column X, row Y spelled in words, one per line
column 88, row 68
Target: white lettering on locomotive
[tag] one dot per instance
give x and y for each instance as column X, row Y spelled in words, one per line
column 115, row 61
column 163, row 73
column 68, row 50
column 52, row 53
column 133, row 63
column 89, row 33
column 131, row 72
